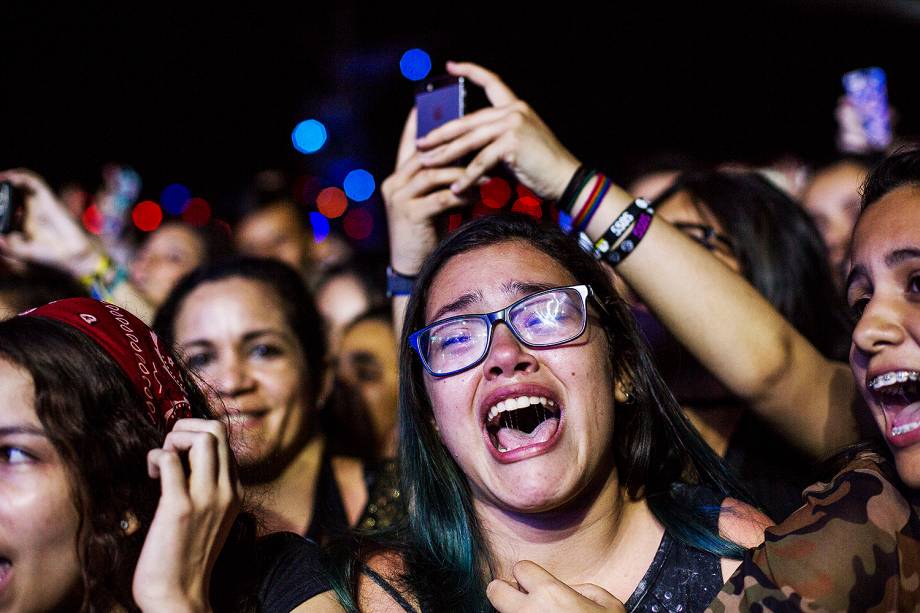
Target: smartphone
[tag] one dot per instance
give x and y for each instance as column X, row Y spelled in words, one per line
column 438, row 101
column 867, row 91
column 12, row 208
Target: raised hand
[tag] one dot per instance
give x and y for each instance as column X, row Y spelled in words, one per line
column 509, row 132
column 538, row 590
column 193, row 518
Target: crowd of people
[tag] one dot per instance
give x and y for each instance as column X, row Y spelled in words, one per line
column 698, row 390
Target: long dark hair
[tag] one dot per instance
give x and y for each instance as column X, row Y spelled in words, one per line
column 95, row 419
column 447, row 560
column 900, row 168
column 780, row 251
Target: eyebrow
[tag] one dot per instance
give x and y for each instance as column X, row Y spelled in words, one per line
column 510, row 287
column 13, row 430
column 892, row 259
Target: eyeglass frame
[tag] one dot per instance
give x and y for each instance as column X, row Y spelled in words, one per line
column 584, row 290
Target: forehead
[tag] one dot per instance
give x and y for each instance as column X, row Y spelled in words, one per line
column 892, row 222
column 682, row 208
column 174, row 236
column 17, row 396
column 490, row 270
column 227, row 309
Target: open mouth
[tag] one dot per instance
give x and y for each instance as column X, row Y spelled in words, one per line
column 898, row 393
column 523, row 421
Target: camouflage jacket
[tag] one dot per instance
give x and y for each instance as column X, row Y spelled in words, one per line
column 853, row 546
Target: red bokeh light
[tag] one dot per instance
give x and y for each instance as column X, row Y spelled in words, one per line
column 495, row 193
column 197, row 212
column 528, row 205
column 358, row 224
column 147, row 216
column 454, row 221
column 332, row 202
column 223, row 227
column 92, row 219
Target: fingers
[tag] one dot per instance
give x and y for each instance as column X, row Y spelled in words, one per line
column 24, row 178
column 166, row 466
column 226, row 475
column 472, row 140
column 407, row 139
column 530, row 575
column 462, row 125
column 497, row 92
column 486, row 159
column 599, row 595
column 505, row 597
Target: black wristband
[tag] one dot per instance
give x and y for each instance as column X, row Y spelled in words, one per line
column 398, row 284
column 638, row 215
column 574, row 187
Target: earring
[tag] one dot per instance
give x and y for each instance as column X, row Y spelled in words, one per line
column 123, row 524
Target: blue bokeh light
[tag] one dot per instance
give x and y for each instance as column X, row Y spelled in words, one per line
column 415, row 64
column 320, row 226
column 359, row 185
column 309, row 136
column 175, row 198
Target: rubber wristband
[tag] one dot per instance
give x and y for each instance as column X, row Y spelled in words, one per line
column 572, row 189
column 592, row 204
column 621, row 224
column 629, row 244
column 398, row 284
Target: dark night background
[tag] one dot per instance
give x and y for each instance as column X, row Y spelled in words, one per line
column 208, row 96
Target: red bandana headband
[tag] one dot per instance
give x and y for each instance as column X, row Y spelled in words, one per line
column 136, row 349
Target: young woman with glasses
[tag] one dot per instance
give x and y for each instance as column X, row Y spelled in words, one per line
column 544, row 462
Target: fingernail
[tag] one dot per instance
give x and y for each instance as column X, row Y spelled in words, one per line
column 456, row 187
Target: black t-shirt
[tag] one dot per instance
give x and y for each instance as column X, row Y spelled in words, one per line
column 291, row 572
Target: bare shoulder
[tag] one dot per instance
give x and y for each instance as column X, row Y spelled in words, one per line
column 740, row 523
column 376, row 593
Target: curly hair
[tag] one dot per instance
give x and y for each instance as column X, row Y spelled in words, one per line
column 94, row 418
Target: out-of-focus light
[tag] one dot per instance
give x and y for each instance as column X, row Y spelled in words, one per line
column 528, row 205
column 224, row 228
column 305, row 189
column 309, row 136
column 495, row 193
column 332, row 202
column 415, row 64
column 359, row 185
column 92, row 219
column 358, row 224
column 147, row 216
column 320, row 226
column 174, row 198
column 197, row 212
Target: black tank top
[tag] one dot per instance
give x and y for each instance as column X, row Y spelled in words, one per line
column 680, row 579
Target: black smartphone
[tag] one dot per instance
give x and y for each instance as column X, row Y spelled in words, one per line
column 12, row 208
column 438, row 101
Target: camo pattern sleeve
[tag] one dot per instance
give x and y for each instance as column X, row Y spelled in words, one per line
column 853, row 546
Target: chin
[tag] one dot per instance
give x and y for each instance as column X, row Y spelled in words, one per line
column 907, row 461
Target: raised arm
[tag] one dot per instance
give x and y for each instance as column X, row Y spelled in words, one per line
column 52, row 236
column 713, row 311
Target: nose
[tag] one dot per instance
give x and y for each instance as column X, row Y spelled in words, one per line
column 507, row 356
column 879, row 327
column 231, row 378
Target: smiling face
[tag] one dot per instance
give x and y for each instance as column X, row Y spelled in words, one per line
column 39, row 565
column 884, row 290
column 233, row 333
column 548, row 462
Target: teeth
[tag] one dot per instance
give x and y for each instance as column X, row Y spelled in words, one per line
column 890, row 378
column 521, row 402
column 899, row 430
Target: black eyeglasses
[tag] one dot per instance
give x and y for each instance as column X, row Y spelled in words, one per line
column 551, row 317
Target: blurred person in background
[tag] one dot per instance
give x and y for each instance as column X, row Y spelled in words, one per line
column 347, row 291
column 169, row 253
column 26, row 286
column 250, row 330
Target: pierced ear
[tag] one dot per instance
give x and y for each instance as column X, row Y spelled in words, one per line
column 622, row 393
column 129, row 524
